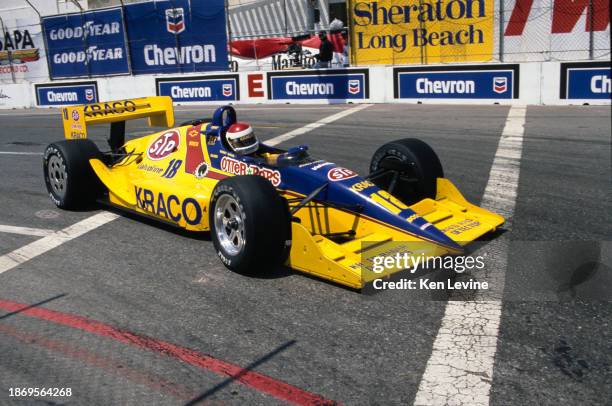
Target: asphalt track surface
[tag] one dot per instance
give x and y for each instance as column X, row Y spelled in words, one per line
column 137, row 313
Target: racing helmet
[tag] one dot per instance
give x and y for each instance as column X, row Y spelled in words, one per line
column 241, row 139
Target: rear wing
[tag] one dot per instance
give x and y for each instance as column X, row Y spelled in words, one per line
column 157, row 109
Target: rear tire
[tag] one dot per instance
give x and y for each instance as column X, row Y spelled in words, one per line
column 419, row 169
column 250, row 224
column 71, row 181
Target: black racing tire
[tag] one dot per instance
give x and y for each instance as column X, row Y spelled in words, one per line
column 418, row 167
column 71, row 181
column 250, row 207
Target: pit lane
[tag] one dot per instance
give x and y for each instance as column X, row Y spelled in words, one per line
column 154, row 281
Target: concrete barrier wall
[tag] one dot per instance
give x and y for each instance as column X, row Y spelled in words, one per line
column 533, row 83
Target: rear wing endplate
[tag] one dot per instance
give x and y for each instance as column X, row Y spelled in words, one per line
column 157, row 109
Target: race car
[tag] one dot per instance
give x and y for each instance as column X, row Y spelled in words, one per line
column 264, row 207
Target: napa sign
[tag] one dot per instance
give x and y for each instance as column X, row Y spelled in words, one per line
column 426, row 31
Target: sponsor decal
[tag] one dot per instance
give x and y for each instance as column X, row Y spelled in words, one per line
column 105, row 109
column 164, row 145
column 194, row 156
column 173, row 167
column 587, row 80
column 175, row 20
column 236, row 167
column 320, row 165
column 201, row 171
column 338, row 174
column 75, row 115
column 333, row 84
column 360, row 186
column 227, row 90
column 310, row 163
column 211, row 88
column 500, row 85
column 466, row 82
column 89, row 95
column 212, row 140
column 461, row 227
column 150, row 168
column 65, row 94
column 169, row 207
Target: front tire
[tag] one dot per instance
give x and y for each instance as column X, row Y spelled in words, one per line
column 250, row 224
column 417, row 167
column 71, row 181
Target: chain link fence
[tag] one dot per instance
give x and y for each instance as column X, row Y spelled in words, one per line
column 279, row 34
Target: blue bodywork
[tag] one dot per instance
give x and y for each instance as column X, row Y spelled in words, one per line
column 299, row 174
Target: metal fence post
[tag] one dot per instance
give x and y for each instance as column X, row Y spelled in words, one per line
column 501, row 30
column 8, row 52
column 228, row 27
column 591, row 12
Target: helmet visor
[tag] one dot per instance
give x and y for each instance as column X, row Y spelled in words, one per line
column 244, row 142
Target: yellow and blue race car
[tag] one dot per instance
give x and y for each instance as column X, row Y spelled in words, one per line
column 264, row 207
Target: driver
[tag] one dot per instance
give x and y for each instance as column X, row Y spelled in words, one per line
column 241, row 139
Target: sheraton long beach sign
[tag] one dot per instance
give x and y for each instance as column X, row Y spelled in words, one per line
column 414, row 31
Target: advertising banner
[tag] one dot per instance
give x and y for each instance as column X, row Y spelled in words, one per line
column 332, row 84
column 177, row 36
column 588, row 80
column 86, row 44
column 457, row 82
column 22, row 50
column 66, row 93
column 199, row 89
column 428, row 31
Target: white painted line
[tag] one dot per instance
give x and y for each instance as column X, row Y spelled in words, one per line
column 30, row 113
column 19, row 153
column 460, row 369
column 39, row 247
column 38, row 232
column 280, row 107
column 315, row 125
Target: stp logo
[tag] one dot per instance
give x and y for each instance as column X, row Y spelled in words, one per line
column 89, row 94
column 338, row 174
column 354, row 86
column 227, row 90
column 500, row 85
column 75, row 115
column 175, row 20
column 164, row 145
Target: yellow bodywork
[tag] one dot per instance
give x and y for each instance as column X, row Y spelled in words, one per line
column 350, row 263
column 134, row 183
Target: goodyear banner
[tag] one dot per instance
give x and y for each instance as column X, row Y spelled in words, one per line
column 392, row 32
column 177, row 36
column 86, row 44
